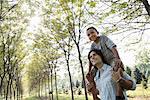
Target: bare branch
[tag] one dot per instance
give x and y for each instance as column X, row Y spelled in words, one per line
column 147, row 6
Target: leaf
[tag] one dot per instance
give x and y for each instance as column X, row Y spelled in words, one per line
column 91, row 13
column 113, row 11
column 123, row 5
column 92, row 4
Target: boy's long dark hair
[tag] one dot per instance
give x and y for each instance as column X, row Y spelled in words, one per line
column 97, row 51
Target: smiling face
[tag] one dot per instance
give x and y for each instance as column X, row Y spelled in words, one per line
column 92, row 34
column 95, row 59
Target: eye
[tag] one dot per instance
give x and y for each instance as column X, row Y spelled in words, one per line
column 90, row 56
column 94, row 54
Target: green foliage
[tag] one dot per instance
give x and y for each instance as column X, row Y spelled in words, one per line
column 137, row 76
column 59, row 21
column 12, row 57
column 143, row 62
column 92, row 4
column 113, row 11
column 128, row 71
column 91, row 13
column 117, row 15
column 144, row 82
column 123, row 5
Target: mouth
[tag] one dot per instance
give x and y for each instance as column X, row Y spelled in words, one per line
column 93, row 38
column 93, row 62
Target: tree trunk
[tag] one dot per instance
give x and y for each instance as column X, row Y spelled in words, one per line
column 56, row 83
column 39, row 89
column 10, row 89
column 147, row 6
column 49, row 87
column 1, row 83
column 70, row 80
column 45, row 89
column 52, row 83
column 7, row 92
column 79, row 56
column 14, row 94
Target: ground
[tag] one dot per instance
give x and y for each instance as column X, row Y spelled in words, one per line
column 138, row 94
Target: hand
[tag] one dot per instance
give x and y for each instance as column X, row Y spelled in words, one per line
column 90, row 86
column 96, row 91
column 116, row 75
column 89, row 77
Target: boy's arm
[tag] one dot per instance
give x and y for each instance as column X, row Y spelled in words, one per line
column 112, row 46
column 115, row 52
column 118, row 61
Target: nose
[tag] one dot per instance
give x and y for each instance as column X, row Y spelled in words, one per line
column 92, row 57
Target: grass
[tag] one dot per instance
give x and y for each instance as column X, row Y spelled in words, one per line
column 138, row 94
column 139, row 91
column 61, row 97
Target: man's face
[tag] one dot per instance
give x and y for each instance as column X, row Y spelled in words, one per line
column 95, row 58
column 92, row 34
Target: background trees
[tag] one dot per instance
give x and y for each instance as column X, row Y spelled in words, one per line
column 43, row 43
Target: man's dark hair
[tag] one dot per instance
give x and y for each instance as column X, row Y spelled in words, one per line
column 97, row 51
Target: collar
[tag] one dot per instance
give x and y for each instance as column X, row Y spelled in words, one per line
column 100, row 71
column 104, row 67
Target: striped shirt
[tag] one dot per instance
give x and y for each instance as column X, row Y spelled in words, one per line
column 105, row 45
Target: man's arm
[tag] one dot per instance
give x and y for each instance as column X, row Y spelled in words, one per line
column 124, row 80
column 126, row 84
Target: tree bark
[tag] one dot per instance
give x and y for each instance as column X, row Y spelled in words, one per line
column 56, row 83
column 51, row 69
column 79, row 57
column 147, row 6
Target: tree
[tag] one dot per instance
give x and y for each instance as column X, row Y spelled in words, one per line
column 117, row 17
column 147, row 6
column 143, row 63
column 144, row 81
column 77, row 84
column 12, row 49
column 138, row 76
column 63, row 24
column 47, row 56
column 128, row 71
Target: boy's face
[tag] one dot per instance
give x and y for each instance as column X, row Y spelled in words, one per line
column 92, row 34
column 95, row 58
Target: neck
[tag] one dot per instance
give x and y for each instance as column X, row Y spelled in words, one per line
column 97, row 40
column 99, row 65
